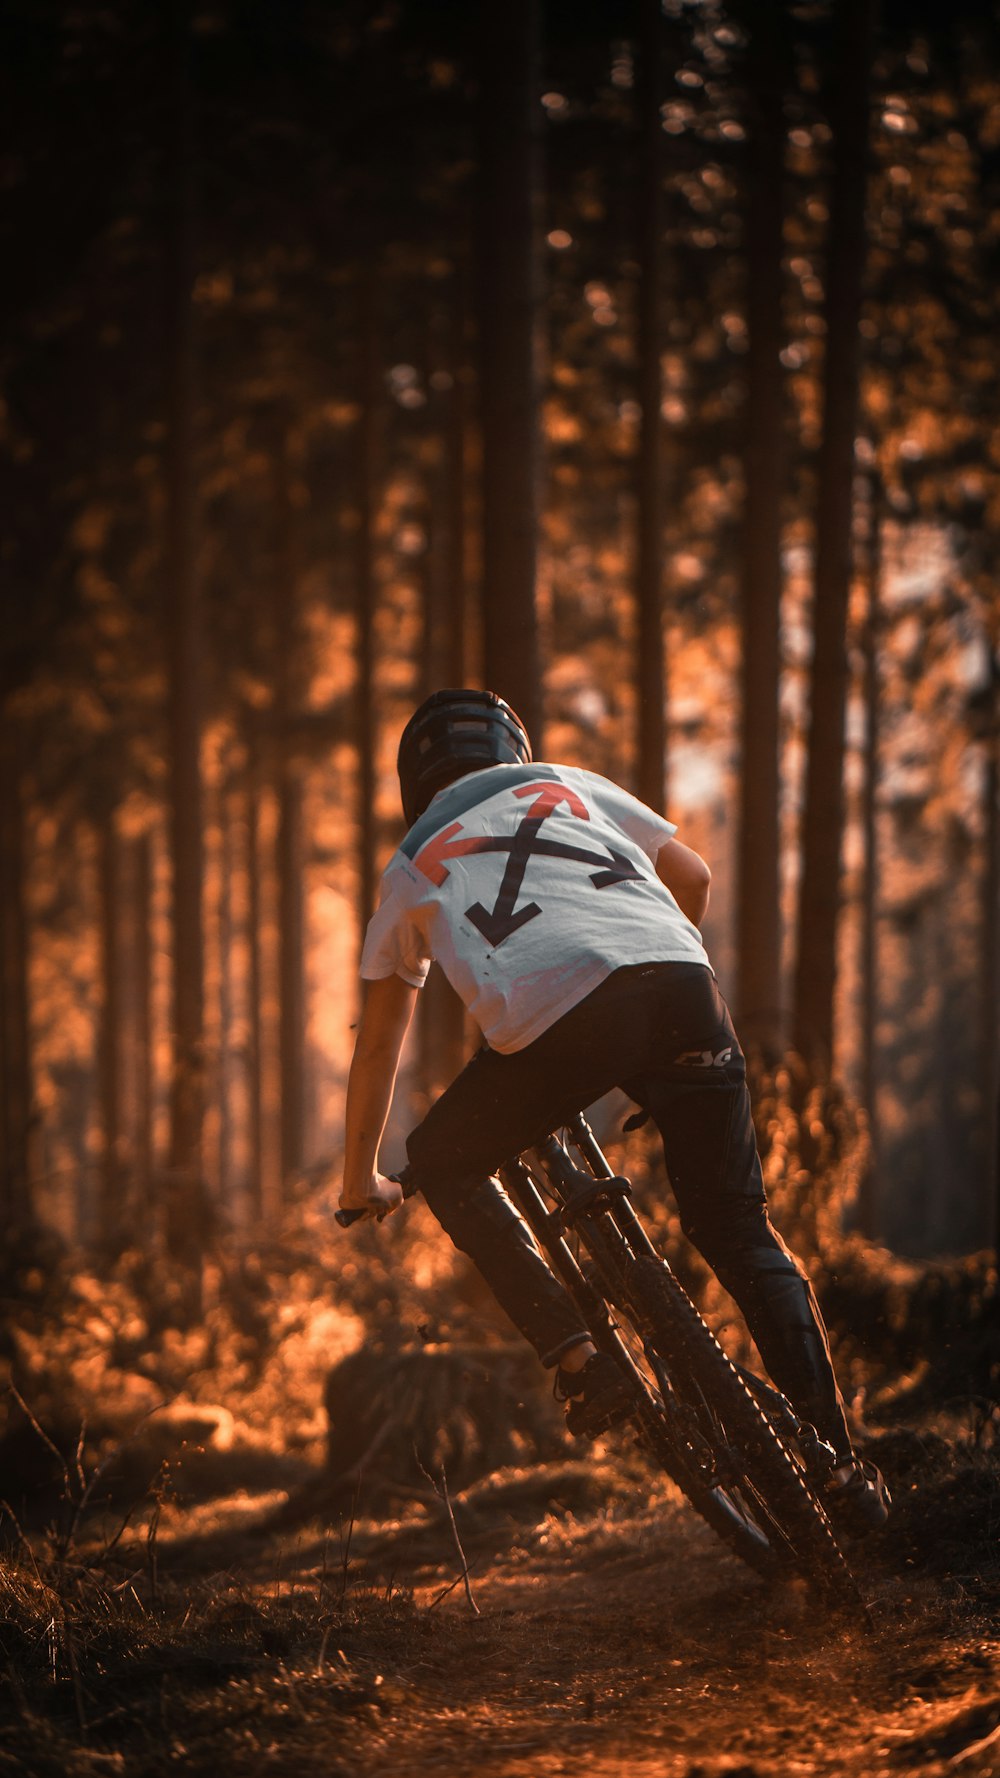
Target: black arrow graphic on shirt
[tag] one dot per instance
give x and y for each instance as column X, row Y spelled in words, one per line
column 615, row 868
column 504, row 917
column 498, row 922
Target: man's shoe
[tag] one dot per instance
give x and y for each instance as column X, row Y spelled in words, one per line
column 598, row 1396
column 856, row 1497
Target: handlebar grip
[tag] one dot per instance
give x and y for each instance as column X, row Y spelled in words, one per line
column 346, row 1218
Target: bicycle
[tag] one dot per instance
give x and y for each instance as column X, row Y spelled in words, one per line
column 729, row 1441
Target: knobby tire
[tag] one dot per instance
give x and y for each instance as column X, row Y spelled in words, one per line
column 786, row 1530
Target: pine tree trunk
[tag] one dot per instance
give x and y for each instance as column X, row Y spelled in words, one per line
column 441, row 1013
column 456, row 485
column 991, row 959
column 867, row 1210
column 111, row 1218
column 508, row 305
column 185, row 1209
column 823, row 817
column 142, row 891
column 224, row 966
column 255, row 986
column 291, row 950
column 758, row 916
column 650, row 672
column 16, row 1205
column 369, row 369
column 291, row 985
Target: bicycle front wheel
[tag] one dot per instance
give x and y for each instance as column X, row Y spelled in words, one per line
column 716, row 1443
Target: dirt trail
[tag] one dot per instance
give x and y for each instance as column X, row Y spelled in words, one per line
column 622, row 1640
column 645, row 1648
column 616, row 1637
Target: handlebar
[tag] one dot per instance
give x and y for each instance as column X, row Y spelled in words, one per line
column 347, row 1217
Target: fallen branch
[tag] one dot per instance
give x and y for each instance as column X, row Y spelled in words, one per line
column 443, row 1495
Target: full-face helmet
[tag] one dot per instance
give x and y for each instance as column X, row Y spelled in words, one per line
column 454, row 732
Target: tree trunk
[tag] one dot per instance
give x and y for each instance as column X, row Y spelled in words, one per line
column 142, row 893
column 758, row 916
column 509, row 293
column 224, row 1170
column 369, row 370
column 650, row 674
column 442, row 1015
column 867, row 1211
column 291, row 951
column 822, row 826
column 255, row 986
column 16, row 1207
column 291, row 1027
column 456, row 483
column 991, row 957
column 111, row 1217
column 443, row 579
column 185, row 1187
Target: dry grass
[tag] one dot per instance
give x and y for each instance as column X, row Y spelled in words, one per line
column 113, row 1660
column 201, row 1567
column 612, row 1626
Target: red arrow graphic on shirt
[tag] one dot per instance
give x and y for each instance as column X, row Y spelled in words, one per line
column 505, row 917
column 433, row 858
column 498, row 922
column 548, row 795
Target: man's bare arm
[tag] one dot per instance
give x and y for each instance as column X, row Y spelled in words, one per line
column 688, row 878
column 385, row 1020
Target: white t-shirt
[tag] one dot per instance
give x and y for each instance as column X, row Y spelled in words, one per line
column 529, row 884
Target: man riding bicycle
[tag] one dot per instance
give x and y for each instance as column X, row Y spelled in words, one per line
column 565, row 914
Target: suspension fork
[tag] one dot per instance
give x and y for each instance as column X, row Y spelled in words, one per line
column 546, row 1225
column 612, row 1231
column 584, row 1206
column 622, row 1214
column 546, row 1228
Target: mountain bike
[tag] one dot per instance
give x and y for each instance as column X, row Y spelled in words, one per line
column 729, row 1441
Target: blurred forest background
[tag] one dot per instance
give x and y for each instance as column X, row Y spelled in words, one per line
column 638, row 360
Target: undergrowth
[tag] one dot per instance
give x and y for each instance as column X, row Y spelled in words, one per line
column 105, row 1667
column 149, row 1466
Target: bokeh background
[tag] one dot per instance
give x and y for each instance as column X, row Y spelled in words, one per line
column 637, row 360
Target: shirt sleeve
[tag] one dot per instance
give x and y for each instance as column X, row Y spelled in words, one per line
column 648, row 830
column 393, row 942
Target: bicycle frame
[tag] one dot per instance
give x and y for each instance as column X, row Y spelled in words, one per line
column 597, row 1196
column 702, row 1418
column 599, row 1199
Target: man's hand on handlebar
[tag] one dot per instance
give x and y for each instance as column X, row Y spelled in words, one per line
column 382, row 1197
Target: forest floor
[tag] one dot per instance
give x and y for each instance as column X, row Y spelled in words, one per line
column 252, row 1630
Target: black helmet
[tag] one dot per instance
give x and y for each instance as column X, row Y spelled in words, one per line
column 452, row 733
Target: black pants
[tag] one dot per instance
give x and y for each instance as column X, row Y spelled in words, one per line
column 661, row 1032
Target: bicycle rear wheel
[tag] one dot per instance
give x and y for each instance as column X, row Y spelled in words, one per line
column 716, row 1443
